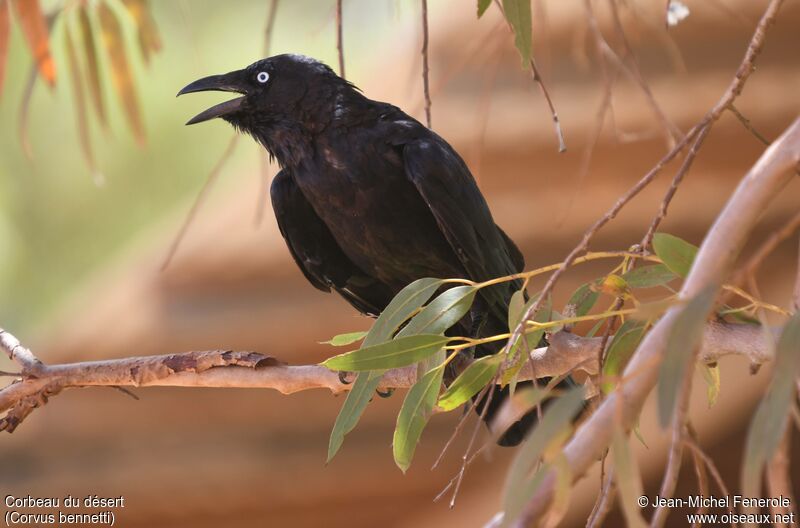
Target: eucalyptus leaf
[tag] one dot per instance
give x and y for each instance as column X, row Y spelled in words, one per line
column 683, row 339
column 771, row 417
column 628, row 480
column 345, row 339
column 649, row 276
column 483, row 5
column 442, row 312
column 414, row 415
column 619, row 352
column 677, row 254
column 519, row 486
column 470, row 382
column 518, row 14
column 583, row 300
column 399, row 352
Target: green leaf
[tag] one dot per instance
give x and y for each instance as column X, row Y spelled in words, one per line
column 583, row 299
column 518, row 14
column 649, row 276
column 402, row 306
column 399, row 352
column 620, row 350
column 483, row 5
column 405, row 303
column 344, row 339
column 357, row 399
column 516, row 359
column 677, row 254
column 469, row 382
column 628, row 480
column 519, row 486
column 711, row 377
column 770, row 420
column 442, row 312
column 414, row 415
column 684, row 338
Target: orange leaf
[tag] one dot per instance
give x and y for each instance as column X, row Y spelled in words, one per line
column 34, row 26
column 80, row 101
column 4, row 31
column 120, row 69
column 92, row 67
column 149, row 39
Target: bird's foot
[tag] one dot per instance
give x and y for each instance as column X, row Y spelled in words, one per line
column 385, row 394
column 344, row 377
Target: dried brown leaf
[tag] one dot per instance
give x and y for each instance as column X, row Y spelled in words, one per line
column 80, row 100
column 149, row 39
column 121, row 74
column 34, row 27
column 92, row 65
column 4, row 33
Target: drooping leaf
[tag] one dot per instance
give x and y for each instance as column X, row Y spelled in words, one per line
column 399, row 352
column 516, row 355
column 414, row 415
column 92, row 65
column 80, row 101
column 121, row 74
column 619, row 352
column 522, row 480
column 5, row 31
column 357, row 399
column 771, row 417
column 712, row 379
column 677, row 254
column 470, row 382
column 561, row 493
column 629, row 480
column 149, row 39
column 483, row 5
column 37, row 35
column 684, row 338
column 649, row 276
column 518, row 14
column 583, row 300
column 442, row 312
column 405, row 303
column 344, row 339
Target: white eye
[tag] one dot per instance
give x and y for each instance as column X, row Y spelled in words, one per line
column 262, row 77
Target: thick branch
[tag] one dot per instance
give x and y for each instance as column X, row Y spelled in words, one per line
column 225, row 368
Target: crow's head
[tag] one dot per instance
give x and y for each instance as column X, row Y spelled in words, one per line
column 280, row 93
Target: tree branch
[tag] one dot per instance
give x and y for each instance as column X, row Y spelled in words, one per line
column 240, row 369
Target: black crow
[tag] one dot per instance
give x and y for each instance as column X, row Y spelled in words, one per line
column 368, row 199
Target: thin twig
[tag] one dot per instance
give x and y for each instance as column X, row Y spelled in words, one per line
column 604, row 501
column 537, row 78
column 779, row 481
column 747, row 124
column 198, row 201
column 425, row 69
column 273, row 10
column 769, row 245
column 340, row 38
column 673, row 187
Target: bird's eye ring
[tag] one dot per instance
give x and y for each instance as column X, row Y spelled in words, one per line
column 262, row 77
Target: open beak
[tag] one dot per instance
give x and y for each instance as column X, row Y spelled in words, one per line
column 229, row 82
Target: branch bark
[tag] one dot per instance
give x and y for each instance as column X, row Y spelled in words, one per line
column 240, row 369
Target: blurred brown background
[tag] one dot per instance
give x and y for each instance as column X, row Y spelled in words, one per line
column 189, row 457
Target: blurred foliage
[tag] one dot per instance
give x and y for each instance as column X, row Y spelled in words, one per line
column 59, row 220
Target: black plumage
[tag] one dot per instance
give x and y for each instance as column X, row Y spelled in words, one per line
column 368, row 199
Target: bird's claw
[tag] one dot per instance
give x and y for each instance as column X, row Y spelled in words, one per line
column 385, row 394
column 343, row 375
